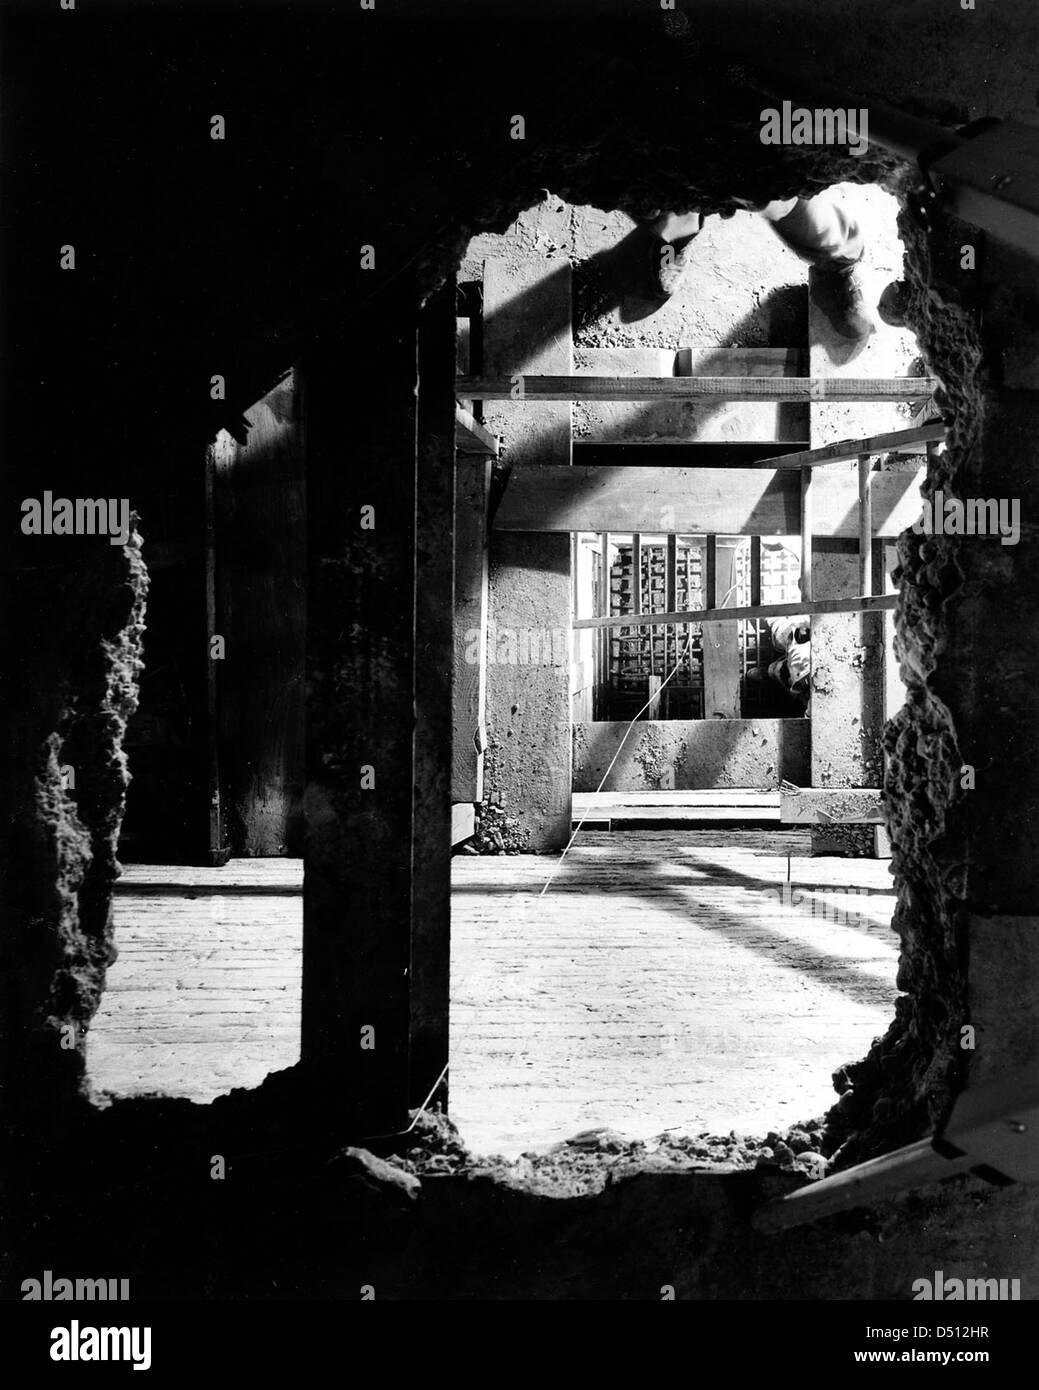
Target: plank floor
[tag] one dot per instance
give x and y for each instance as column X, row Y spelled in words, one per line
column 682, row 979
column 667, row 980
column 206, row 992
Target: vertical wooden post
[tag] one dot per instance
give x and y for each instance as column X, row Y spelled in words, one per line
column 671, row 606
column 217, row 853
column 755, row 591
column 636, row 601
column 806, row 534
column 865, row 525
column 429, row 971
column 755, row 569
column 653, row 697
column 602, row 696
column 846, row 648
column 711, row 572
column 721, row 651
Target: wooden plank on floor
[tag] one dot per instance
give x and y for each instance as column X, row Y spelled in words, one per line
column 704, row 501
column 463, row 819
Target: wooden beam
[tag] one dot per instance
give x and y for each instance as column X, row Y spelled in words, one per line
column 721, row 641
column 896, row 442
column 755, row 569
column 653, row 708
column 870, row 603
column 671, row 603
column 807, row 523
column 602, row 640
column 865, row 525
column 711, row 572
column 217, row 852
column 702, row 501
column 361, row 657
column 471, row 437
column 678, row 388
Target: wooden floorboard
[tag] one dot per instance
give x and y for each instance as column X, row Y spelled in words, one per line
column 206, row 992
column 667, row 980
column 683, row 979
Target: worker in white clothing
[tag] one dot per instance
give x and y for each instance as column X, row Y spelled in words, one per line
column 818, row 230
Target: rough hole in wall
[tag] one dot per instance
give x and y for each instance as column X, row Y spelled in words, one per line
column 609, row 1003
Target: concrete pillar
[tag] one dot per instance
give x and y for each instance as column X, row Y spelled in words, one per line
column 528, row 760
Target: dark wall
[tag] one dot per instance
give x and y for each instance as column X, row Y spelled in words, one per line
column 260, row 525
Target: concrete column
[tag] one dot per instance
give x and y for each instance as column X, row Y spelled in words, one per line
column 527, row 765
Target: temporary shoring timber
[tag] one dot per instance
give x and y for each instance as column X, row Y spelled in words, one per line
column 683, row 388
column 868, row 603
column 844, row 450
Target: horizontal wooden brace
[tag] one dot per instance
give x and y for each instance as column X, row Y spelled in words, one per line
column 869, row 604
column 684, row 388
column 912, row 441
column 702, row 501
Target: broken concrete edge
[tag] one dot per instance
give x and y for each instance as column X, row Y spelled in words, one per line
column 601, row 1162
